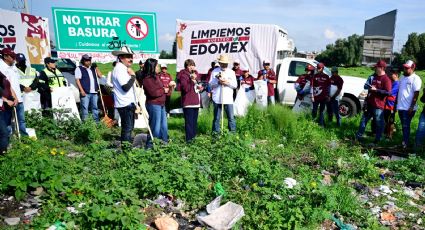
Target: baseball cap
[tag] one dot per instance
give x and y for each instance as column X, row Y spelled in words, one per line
column 20, row 57
column 320, row 65
column 409, row 64
column 140, row 62
column 381, row 64
column 245, row 70
column 86, row 57
column 163, row 65
column 236, row 61
column 8, row 52
column 49, row 60
column 266, row 61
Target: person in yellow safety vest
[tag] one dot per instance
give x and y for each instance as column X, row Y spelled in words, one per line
column 49, row 78
column 27, row 73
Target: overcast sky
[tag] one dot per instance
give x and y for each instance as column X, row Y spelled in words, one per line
column 311, row 24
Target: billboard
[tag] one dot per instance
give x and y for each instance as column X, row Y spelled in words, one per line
column 25, row 33
column 379, row 38
column 102, row 31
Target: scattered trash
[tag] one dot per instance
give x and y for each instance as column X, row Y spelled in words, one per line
column 414, row 184
column 213, row 205
column 12, row 221
column 290, row 182
column 388, row 216
column 223, row 217
column 38, row 191
column 327, row 180
column 57, row 226
column 375, row 210
column 333, row 144
column 72, row 210
column 163, row 201
column 409, row 192
column 365, row 156
column 140, row 140
column 280, row 145
column 219, row 190
column 277, row 197
column 30, row 212
column 166, row 223
column 359, row 187
column 385, row 189
column 341, row 225
column 419, row 221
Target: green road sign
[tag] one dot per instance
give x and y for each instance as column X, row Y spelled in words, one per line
column 85, row 30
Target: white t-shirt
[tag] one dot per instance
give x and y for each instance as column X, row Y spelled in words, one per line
column 407, row 88
column 227, row 90
column 12, row 74
column 78, row 75
column 120, row 77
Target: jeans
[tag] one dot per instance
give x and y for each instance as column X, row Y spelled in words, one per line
column 4, row 134
column 420, row 133
column 90, row 100
column 127, row 122
column 378, row 115
column 20, row 113
column 316, row 105
column 157, row 123
column 217, row 117
column 190, row 122
column 333, row 108
column 271, row 100
column 405, row 120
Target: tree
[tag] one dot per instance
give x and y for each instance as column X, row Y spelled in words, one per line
column 174, row 50
column 345, row 52
column 414, row 50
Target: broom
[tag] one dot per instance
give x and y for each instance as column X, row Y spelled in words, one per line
column 16, row 123
column 105, row 120
column 143, row 112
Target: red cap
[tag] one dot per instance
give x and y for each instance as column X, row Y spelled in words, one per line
column 309, row 67
column 245, row 70
column 409, row 64
column 320, row 65
column 9, row 52
column 381, row 64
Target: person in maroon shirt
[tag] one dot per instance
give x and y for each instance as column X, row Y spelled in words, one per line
column 246, row 80
column 267, row 74
column 380, row 88
column 333, row 105
column 238, row 73
column 191, row 98
column 156, row 94
column 166, row 79
column 6, row 96
column 320, row 85
column 302, row 81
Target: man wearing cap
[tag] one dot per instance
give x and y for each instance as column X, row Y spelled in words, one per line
column 6, row 102
column 165, row 78
column 320, row 84
column 27, row 73
column 223, row 82
column 139, row 72
column 410, row 86
column 50, row 77
column 333, row 105
column 267, row 74
column 302, row 84
column 8, row 68
column 123, row 78
column 380, row 88
column 86, row 79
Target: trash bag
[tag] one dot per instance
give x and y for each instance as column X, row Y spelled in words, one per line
column 303, row 106
column 224, row 217
column 31, row 101
column 261, row 93
column 244, row 98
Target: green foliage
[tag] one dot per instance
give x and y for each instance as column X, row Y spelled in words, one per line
column 414, row 49
column 345, row 52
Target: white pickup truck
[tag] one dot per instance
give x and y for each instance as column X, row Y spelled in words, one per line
column 289, row 69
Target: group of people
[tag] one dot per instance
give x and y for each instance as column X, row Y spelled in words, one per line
column 324, row 91
column 16, row 78
column 388, row 95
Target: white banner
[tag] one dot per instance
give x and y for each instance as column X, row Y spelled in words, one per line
column 204, row 41
column 24, row 33
column 104, row 57
column 63, row 98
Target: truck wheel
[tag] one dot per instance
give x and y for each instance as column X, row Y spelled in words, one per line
column 347, row 107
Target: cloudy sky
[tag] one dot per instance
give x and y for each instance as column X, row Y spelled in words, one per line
column 311, row 24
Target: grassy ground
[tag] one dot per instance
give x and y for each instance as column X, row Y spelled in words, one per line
column 251, row 165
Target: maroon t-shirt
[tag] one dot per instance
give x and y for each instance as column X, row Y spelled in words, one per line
column 337, row 80
column 320, row 85
column 377, row 99
column 238, row 72
column 154, row 90
column 248, row 80
column 165, row 79
column 271, row 76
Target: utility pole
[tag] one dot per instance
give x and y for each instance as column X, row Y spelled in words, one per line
column 26, row 7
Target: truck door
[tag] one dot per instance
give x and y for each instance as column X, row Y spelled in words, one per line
column 296, row 68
